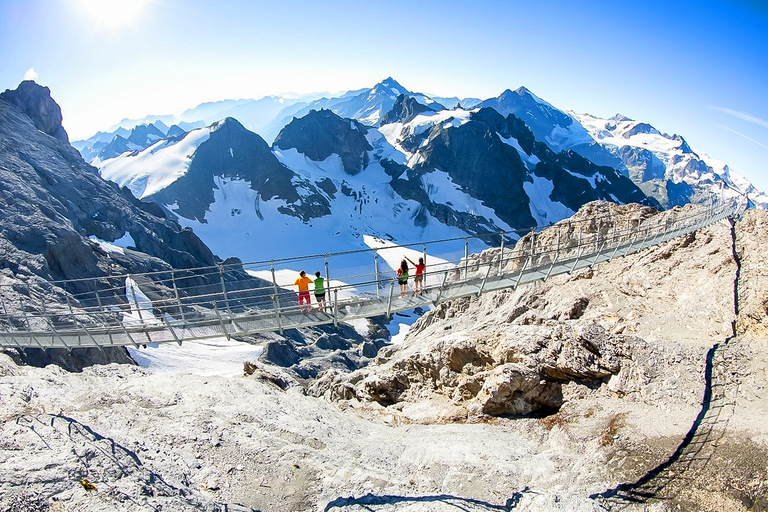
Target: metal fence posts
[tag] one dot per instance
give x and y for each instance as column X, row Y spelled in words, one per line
column 376, row 270
column 440, row 291
column 557, row 256
column 578, row 253
column 178, row 298
column 466, row 256
column 327, row 272
column 501, row 254
column 221, row 323
column 276, row 297
column 336, row 307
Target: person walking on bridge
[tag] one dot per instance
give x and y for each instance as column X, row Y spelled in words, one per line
column 303, row 283
column 320, row 291
column 402, row 277
column 418, row 277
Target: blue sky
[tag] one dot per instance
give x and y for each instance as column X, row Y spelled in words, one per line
column 698, row 69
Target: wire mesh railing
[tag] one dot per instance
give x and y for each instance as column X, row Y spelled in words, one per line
column 241, row 298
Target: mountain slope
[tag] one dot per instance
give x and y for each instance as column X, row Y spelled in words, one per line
column 664, row 166
column 429, row 175
column 54, row 201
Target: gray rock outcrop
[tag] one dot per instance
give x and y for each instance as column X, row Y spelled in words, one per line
column 531, row 350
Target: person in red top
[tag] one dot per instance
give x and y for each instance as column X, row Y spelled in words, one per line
column 418, row 278
column 303, row 283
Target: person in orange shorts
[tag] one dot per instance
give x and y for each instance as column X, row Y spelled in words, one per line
column 303, row 283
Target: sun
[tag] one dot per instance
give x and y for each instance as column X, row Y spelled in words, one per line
column 112, row 14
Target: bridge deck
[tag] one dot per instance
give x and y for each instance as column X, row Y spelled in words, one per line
column 139, row 321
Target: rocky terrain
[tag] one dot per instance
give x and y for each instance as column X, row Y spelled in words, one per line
column 639, row 384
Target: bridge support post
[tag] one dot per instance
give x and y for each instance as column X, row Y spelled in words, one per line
column 520, row 272
column 482, row 285
column 389, row 302
column 106, row 325
column 138, row 309
column 501, row 254
column 26, row 318
column 55, row 333
column 224, row 290
column 276, row 297
column 72, row 314
column 440, row 291
column 578, row 253
column 178, row 298
column 615, row 242
column 335, row 307
column 376, row 270
column 466, row 256
column 557, row 256
column 221, row 322
column 173, row 332
column 277, row 315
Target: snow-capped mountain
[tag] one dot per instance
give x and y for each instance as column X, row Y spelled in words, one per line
column 254, row 114
column 106, row 145
column 664, row 165
column 365, row 105
column 330, row 182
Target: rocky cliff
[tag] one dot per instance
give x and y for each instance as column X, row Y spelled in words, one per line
column 57, row 211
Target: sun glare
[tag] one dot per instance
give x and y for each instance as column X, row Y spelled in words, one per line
column 112, row 13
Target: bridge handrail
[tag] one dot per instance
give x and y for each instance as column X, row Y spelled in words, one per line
column 219, row 305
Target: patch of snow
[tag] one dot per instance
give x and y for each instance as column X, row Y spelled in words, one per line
column 441, row 189
column 156, row 167
column 215, row 356
column 543, row 208
column 110, row 247
column 530, row 160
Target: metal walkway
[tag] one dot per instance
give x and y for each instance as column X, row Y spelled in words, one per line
column 245, row 298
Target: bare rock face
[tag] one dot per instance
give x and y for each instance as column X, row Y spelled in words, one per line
column 637, row 327
column 751, row 245
column 514, row 370
column 36, row 102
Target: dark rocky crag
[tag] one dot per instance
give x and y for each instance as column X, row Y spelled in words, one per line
column 322, row 133
column 405, row 110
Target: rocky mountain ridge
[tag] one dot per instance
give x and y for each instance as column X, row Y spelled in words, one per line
column 660, row 164
column 431, row 174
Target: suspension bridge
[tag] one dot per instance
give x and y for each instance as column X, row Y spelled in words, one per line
column 246, row 298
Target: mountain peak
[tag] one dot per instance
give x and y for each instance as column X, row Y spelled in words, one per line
column 391, row 85
column 36, row 102
column 522, row 91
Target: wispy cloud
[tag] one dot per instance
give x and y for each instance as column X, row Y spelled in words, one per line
column 741, row 115
column 764, row 146
column 31, row 74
